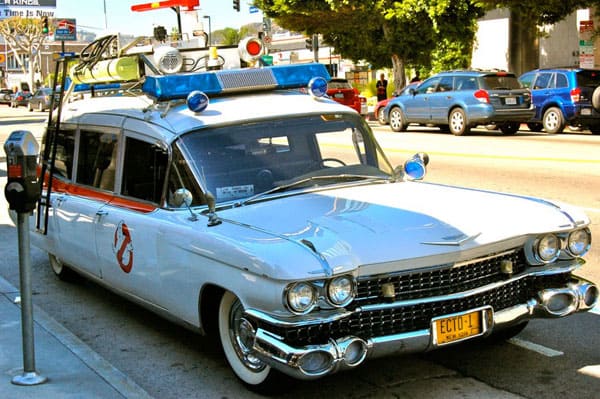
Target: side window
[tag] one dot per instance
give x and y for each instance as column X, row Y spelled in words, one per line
column 97, row 160
column 144, row 170
column 445, row 84
column 542, row 81
column 561, row 80
column 65, row 150
column 429, row 86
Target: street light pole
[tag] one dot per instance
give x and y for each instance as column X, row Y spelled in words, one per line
column 209, row 30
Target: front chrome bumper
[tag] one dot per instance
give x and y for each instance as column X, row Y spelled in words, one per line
column 315, row 361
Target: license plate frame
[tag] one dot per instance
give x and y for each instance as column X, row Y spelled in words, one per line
column 461, row 326
column 510, row 101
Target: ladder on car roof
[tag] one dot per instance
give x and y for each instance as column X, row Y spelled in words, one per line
column 50, row 144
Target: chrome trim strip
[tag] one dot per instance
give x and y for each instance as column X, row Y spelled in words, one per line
column 456, row 243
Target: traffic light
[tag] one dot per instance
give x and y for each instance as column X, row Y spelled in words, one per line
column 309, row 44
column 45, row 28
column 236, row 5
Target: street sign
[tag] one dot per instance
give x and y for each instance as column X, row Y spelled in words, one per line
column 66, row 29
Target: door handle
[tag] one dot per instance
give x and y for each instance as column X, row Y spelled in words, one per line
column 101, row 213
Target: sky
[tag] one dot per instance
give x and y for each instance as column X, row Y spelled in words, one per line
column 90, row 16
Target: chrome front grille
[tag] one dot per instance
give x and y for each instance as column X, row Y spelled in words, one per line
column 441, row 280
column 401, row 319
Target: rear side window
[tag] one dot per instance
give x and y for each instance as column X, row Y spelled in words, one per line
column 543, row 81
column 65, row 149
column 561, row 80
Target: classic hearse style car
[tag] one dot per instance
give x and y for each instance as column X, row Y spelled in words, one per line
column 240, row 206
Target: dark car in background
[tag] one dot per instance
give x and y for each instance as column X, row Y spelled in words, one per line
column 459, row 100
column 5, row 96
column 40, row 100
column 564, row 96
column 342, row 91
column 20, row 98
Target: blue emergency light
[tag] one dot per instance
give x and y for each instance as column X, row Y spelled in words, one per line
column 178, row 86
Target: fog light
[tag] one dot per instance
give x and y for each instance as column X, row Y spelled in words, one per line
column 355, row 352
column 315, row 363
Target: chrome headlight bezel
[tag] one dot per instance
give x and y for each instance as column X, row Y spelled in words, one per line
column 578, row 242
column 300, row 297
column 341, row 290
column 547, row 248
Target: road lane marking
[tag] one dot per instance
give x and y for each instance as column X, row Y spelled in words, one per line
column 548, row 352
column 592, row 371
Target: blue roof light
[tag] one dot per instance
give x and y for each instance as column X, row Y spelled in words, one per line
column 171, row 87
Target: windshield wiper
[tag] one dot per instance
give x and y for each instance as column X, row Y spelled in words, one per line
column 284, row 187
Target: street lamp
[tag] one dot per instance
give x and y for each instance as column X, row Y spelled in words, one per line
column 209, row 30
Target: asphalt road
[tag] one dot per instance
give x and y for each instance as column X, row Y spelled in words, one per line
column 551, row 358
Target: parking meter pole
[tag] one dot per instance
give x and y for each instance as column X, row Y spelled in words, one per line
column 22, row 192
column 30, row 375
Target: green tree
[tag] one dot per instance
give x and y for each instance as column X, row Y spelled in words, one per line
column 25, row 38
column 384, row 32
column 539, row 12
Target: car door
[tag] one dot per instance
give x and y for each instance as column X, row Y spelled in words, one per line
column 417, row 107
column 76, row 209
column 541, row 91
column 441, row 99
column 127, row 226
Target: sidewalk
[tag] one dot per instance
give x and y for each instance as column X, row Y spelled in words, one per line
column 72, row 368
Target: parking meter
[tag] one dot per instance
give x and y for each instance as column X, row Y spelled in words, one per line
column 22, row 190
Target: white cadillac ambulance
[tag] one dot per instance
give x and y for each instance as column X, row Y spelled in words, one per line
column 243, row 203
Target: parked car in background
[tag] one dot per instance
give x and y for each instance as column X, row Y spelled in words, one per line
column 20, row 98
column 564, row 96
column 459, row 100
column 342, row 91
column 5, row 96
column 380, row 116
column 40, row 100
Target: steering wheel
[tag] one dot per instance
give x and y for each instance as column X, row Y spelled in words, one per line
column 324, row 160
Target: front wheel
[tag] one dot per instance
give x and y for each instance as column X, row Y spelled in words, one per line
column 237, row 336
column 397, row 122
column 457, row 121
column 535, row 126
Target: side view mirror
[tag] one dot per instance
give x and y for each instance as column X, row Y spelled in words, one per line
column 182, row 197
column 412, row 91
column 414, row 168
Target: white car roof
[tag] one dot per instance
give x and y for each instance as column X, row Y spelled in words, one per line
column 178, row 119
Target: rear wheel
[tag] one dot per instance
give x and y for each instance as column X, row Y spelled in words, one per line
column 237, row 336
column 553, row 121
column 457, row 122
column 60, row 269
column 41, row 107
column 397, row 122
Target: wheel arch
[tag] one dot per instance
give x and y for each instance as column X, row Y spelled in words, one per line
column 208, row 308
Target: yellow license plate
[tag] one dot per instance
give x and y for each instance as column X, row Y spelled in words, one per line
column 456, row 328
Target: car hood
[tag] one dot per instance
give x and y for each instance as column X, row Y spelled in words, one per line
column 378, row 224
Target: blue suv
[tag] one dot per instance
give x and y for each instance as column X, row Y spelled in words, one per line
column 456, row 101
column 564, row 96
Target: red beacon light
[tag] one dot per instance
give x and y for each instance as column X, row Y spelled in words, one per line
column 250, row 49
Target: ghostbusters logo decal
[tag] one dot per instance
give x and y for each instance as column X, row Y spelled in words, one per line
column 122, row 247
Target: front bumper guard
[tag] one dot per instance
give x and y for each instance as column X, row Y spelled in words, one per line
column 315, row 361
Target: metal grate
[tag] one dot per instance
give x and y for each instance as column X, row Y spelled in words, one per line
column 440, row 281
column 249, row 79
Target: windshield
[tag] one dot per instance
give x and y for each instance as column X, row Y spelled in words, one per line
column 241, row 161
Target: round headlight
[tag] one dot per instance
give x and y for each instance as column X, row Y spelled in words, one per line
column 579, row 242
column 301, row 297
column 340, row 290
column 547, row 248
